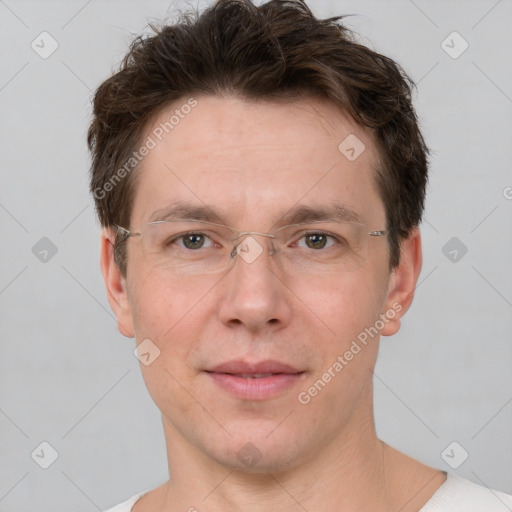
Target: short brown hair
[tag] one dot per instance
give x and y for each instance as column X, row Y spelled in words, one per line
column 277, row 50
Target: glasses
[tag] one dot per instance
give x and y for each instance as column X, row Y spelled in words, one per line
column 192, row 247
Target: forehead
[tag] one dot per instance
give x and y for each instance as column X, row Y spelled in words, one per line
column 252, row 158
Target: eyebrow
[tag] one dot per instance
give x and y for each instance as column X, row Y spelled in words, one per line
column 297, row 215
column 336, row 211
column 182, row 210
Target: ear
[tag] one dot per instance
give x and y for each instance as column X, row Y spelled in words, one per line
column 402, row 282
column 115, row 284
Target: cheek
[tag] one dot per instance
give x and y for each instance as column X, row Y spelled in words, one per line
column 345, row 313
column 162, row 305
column 170, row 313
column 342, row 306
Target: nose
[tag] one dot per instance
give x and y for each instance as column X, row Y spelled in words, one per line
column 254, row 293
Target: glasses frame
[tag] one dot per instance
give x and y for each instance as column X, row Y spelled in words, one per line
column 124, row 233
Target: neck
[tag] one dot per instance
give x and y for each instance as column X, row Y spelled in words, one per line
column 348, row 474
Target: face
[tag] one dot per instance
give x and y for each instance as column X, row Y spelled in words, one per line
column 242, row 351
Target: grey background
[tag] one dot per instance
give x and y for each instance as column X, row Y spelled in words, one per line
column 69, row 378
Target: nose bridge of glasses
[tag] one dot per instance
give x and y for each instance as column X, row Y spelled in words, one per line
column 246, row 246
column 243, row 234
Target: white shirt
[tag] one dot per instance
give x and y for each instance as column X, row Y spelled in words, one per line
column 455, row 495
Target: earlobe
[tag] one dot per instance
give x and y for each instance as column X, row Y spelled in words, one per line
column 115, row 284
column 402, row 283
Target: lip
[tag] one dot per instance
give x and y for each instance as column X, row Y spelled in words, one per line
column 239, row 366
column 255, row 381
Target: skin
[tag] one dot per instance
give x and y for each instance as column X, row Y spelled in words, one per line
column 251, row 162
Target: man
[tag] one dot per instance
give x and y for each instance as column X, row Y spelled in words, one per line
column 260, row 178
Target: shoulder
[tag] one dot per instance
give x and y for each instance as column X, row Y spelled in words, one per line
column 460, row 495
column 127, row 505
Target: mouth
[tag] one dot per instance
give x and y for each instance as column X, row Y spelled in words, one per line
column 255, row 381
column 252, row 375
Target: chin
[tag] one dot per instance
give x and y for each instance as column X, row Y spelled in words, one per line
column 257, row 453
column 255, row 462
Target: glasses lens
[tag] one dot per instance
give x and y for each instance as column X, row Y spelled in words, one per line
column 323, row 247
column 187, row 247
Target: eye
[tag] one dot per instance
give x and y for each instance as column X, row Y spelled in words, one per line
column 317, row 240
column 192, row 240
